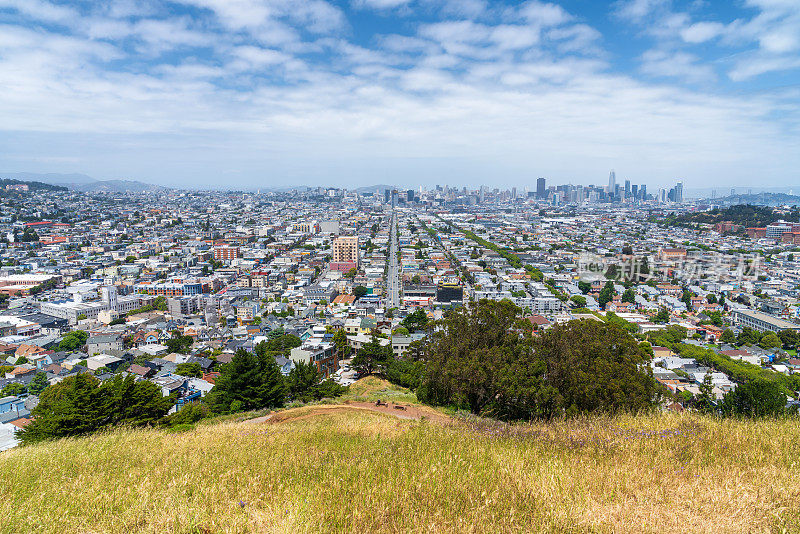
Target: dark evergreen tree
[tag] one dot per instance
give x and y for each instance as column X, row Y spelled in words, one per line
column 249, row 382
column 38, row 384
column 606, row 294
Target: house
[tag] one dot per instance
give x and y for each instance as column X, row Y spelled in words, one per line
column 103, row 343
column 320, row 353
column 352, row 325
column 400, row 345
column 103, row 360
column 28, row 351
column 181, row 388
column 538, row 322
column 205, row 363
column 12, row 404
column 141, row 370
column 286, row 365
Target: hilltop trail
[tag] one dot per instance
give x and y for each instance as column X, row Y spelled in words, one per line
column 411, row 412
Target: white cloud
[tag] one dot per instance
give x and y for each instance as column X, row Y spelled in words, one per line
column 543, row 14
column 757, row 64
column 576, row 38
column 490, row 93
column 780, row 41
column 514, row 37
column 41, row 10
column 701, row 32
column 314, row 15
column 638, row 10
column 679, row 65
column 380, row 4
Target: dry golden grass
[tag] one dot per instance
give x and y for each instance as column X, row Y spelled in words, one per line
column 358, row 471
column 372, row 388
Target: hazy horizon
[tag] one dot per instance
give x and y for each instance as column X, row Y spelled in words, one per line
column 281, row 93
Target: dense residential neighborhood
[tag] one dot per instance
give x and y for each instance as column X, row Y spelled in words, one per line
column 167, row 287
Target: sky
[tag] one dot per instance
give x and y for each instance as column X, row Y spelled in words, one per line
column 274, row 93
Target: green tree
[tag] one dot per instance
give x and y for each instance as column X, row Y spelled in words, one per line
column 301, row 381
column 727, row 336
column 400, row 331
column 252, row 381
column 481, row 359
column 770, row 341
column 706, row 401
column 342, row 346
column 760, row 398
column 585, row 287
column 606, row 294
column 417, row 320
column 13, row 389
column 579, row 301
column 789, row 338
column 281, row 344
column 485, row 359
column 372, row 358
column 127, row 401
column 73, row 341
column 598, row 367
column 629, row 296
column 686, row 298
column 80, row 404
column 715, row 317
column 180, row 344
column 189, row 369
column 661, row 317
column 71, row 407
column 748, row 336
column 160, row 303
column 360, row 291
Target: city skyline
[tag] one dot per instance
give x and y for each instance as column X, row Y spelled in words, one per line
column 268, row 93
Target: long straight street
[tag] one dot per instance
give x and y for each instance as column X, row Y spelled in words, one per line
column 393, row 270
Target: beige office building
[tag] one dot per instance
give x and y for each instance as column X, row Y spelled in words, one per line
column 345, row 249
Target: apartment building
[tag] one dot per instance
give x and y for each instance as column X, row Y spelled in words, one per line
column 345, row 253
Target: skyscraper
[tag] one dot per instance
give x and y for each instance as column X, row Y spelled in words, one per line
column 628, row 189
column 679, row 192
column 612, row 182
column 541, row 188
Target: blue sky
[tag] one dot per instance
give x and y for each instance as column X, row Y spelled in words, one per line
column 267, row 93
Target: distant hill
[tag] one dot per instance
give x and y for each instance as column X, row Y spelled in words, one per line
column 81, row 182
column 117, row 186
column 746, row 215
column 32, row 185
column 758, row 199
column 50, row 178
column 380, row 188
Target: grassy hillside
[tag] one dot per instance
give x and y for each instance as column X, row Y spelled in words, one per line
column 327, row 469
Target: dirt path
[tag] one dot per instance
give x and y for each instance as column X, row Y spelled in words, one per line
column 411, row 412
